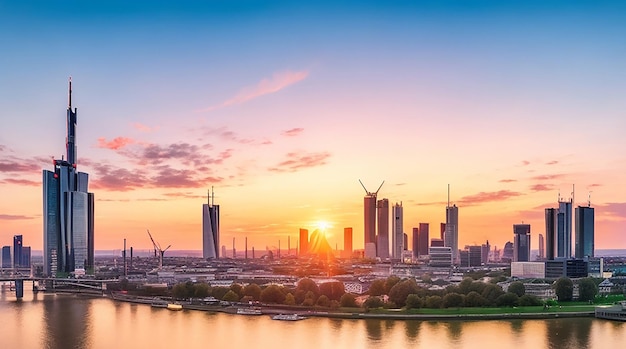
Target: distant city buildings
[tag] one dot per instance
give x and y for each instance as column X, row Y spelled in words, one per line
column 211, row 230
column 551, row 219
column 564, row 230
column 304, row 242
column 369, row 222
column 68, row 211
column 347, row 242
column 542, row 247
column 485, row 250
column 397, row 232
column 521, row 242
column 6, row 256
column 423, row 239
column 507, row 252
column 451, row 236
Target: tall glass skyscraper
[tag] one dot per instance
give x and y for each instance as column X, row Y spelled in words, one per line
column 584, row 232
column 382, row 239
column 451, row 235
column 564, row 230
column 68, row 211
column 397, row 232
column 521, row 242
column 17, row 251
column 211, row 230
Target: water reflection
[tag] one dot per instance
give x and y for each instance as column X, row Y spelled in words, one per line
column 66, row 322
column 455, row 329
column 517, row 326
column 374, row 329
column 412, row 329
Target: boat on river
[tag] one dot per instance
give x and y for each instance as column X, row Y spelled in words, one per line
column 174, row 306
column 616, row 312
column 249, row 311
column 288, row 317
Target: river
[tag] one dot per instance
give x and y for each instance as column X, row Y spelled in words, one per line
column 68, row 321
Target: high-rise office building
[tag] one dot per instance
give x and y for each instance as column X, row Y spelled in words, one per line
column 423, row 239
column 369, row 219
column 442, row 231
column 347, row 242
column 304, row 242
column 6, row 256
column 521, row 242
column 507, row 252
column 564, row 230
column 484, row 252
column 397, row 231
column 68, row 211
column 451, row 236
column 542, row 247
column 211, row 229
column 416, row 243
column 551, row 223
column 382, row 245
column 17, row 251
column 584, row 244
column 25, row 257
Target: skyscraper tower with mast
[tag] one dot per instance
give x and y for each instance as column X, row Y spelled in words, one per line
column 451, row 235
column 210, row 227
column 68, row 211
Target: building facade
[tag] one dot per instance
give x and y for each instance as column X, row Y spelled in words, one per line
column 542, row 247
column 423, row 239
column 347, row 242
column 521, row 242
column 6, row 256
column 382, row 243
column 303, row 242
column 564, row 230
column 397, row 232
column 584, row 223
column 551, row 218
column 68, row 211
column 451, row 235
column 211, row 231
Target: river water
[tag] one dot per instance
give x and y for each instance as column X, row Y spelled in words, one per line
column 68, row 321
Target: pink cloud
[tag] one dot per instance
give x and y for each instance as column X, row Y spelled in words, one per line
column 301, row 160
column 483, row 197
column 277, row 82
column 143, row 128
column 507, row 180
column 25, row 182
column 114, row 144
column 541, row 187
column 293, row 132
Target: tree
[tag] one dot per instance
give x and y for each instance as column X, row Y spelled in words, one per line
column 201, row 290
column 587, row 289
column 333, row 290
column 377, row 288
column 253, row 290
column 518, row 288
column 564, row 289
column 452, row 300
column 491, row 293
column 306, row 285
column 219, row 292
column 309, row 299
column 529, row 300
column 508, row 299
column 390, row 282
column 474, row 299
column 465, row 286
column 237, row 289
column 231, row 296
column 401, row 290
column 179, row 291
column 323, row 301
column 433, row 302
column 272, row 294
column 348, row 300
column 413, row 301
column 373, row 302
column 290, row 299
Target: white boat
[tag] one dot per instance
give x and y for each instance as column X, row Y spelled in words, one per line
column 174, row 306
column 288, row 317
column 249, row 311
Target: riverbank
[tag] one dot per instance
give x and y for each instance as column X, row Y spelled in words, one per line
column 457, row 314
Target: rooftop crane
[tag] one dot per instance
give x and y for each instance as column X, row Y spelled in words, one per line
column 157, row 247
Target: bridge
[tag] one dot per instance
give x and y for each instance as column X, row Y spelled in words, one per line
column 54, row 284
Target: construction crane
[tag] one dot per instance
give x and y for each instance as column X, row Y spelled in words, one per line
column 157, row 248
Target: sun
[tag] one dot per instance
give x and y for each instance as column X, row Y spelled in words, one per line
column 323, row 228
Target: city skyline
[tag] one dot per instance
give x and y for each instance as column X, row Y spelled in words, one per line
column 284, row 108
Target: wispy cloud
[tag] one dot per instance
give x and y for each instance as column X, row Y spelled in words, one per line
column 553, row 162
column 11, row 217
column 144, row 128
column 613, row 209
column 293, row 132
column 301, row 160
column 507, row 180
column 25, row 182
column 548, row 177
column 525, row 163
column 277, row 82
column 114, row 144
column 483, row 197
column 541, row 187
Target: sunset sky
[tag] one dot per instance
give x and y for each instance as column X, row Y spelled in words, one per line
column 283, row 108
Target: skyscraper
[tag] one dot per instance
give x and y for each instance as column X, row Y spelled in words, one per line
column 423, row 239
column 17, row 251
column 68, row 211
column 584, row 245
column 382, row 245
column 397, row 231
column 416, row 243
column 484, row 252
column 347, row 242
column 564, row 230
column 542, row 248
column 521, row 242
column 369, row 219
column 451, row 236
column 211, row 229
column 304, row 242
column 6, row 256
column 551, row 222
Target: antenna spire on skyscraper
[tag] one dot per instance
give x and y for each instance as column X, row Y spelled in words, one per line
column 70, row 94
